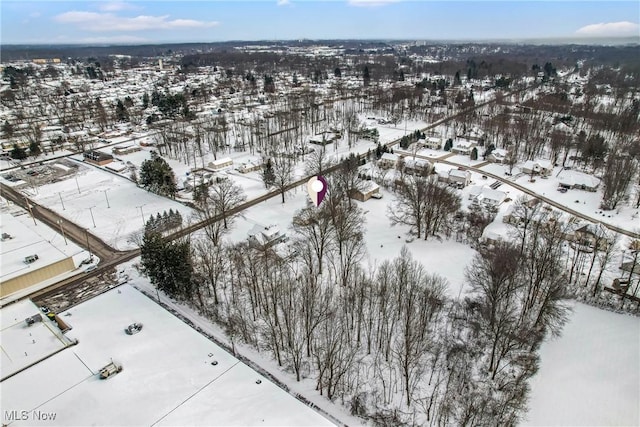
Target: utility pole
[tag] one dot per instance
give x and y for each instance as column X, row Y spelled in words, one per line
column 86, row 233
column 92, row 219
column 30, row 210
column 141, row 214
column 77, row 185
column 62, row 230
column 106, row 197
column 61, row 202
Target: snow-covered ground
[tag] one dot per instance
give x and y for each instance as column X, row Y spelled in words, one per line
column 591, row 374
column 115, row 224
column 383, row 242
column 169, row 377
column 585, row 202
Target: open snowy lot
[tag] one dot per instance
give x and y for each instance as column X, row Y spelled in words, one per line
column 591, row 374
column 172, row 375
column 116, row 222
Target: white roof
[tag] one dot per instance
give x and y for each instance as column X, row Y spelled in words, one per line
column 222, row 161
column 571, row 178
column 458, row 173
column 417, row 163
column 499, row 152
column 369, row 186
column 488, row 193
column 22, row 345
column 463, row 143
column 190, row 389
column 264, row 234
column 389, row 156
column 29, row 239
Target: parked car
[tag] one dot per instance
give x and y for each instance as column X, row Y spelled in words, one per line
column 133, row 328
column 562, row 189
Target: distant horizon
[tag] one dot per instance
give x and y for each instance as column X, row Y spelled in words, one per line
column 628, row 40
column 149, row 22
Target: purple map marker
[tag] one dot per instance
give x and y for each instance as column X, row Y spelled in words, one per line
column 317, row 187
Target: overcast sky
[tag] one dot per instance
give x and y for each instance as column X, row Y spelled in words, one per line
column 203, row 21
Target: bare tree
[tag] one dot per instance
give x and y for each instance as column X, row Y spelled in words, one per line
column 616, row 178
column 317, row 162
column 283, row 173
column 410, row 207
column 225, row 195
column 315, row 226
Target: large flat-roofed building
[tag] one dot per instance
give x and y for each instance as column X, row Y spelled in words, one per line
column 28, row 336
column 186, row 380
column 30, row 253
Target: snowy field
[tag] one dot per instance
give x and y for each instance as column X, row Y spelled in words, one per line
column 168, row 376
column 119, row 222
column 591, row 374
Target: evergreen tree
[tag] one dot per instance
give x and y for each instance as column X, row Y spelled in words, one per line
column 18, row 153
column 366, row 77
column 145, row 101
column 7, row 129
column 268, row 175
column 201, row 193
column 474, row 154
column 157, row 176
column 168, row 264
column 337, row 72
column 122, row 115
column 34, row 149
column 456, row 79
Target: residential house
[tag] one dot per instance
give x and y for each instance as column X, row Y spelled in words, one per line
column 368, row 189
column 459, row 178
column 261, row 237
column 593, row 236
column 250, row 166
column 220, row 164
column 432, row 143
column 537, row 167
column 578, row 180
column 417, row 166
column 125, row 149
column 463, row 146
column 324, row 138
column 487, row 195
column 97, row 157
column 499, row 155
column 388, row 161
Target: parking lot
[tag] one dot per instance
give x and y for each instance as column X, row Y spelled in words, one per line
column 44, row 173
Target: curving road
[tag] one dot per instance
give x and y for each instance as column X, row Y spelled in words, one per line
column 532, row 193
